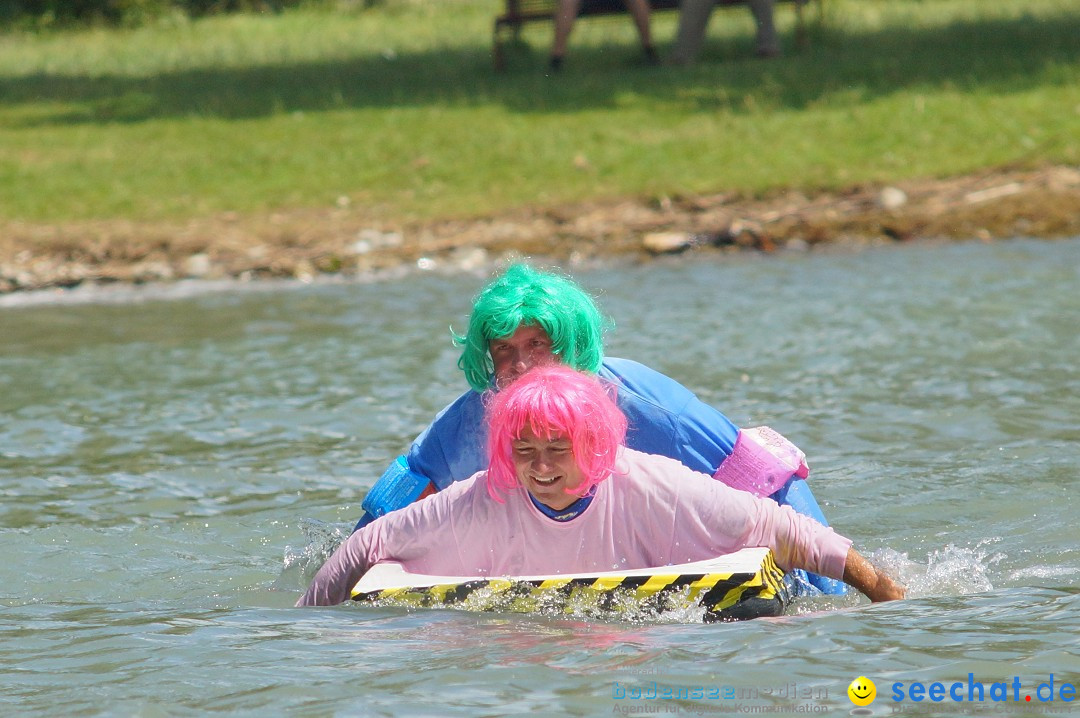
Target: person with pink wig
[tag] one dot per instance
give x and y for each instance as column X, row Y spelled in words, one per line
column 563, row 494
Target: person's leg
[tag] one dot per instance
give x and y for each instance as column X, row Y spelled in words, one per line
column 640, row 10
column 768, row 44
column 565, row 13
column 693, row 19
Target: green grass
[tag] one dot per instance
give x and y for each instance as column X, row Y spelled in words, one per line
column 399, row 110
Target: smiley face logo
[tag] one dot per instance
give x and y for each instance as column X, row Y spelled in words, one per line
column 862, row 691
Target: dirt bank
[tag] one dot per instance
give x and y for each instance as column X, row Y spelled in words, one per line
column 304, row 243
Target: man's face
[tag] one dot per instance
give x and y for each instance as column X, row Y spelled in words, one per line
column 514, row 355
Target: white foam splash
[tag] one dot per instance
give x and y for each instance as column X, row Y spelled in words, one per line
column 952, row 571
column 301, row 564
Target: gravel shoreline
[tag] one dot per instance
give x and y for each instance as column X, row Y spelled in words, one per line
column 306, row 244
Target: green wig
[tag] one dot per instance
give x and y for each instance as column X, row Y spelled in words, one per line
column 523, row 295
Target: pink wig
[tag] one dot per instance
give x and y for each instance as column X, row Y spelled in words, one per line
column 555, row 401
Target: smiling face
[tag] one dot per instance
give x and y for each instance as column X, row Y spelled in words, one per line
column 546, row 468
column 514, row 355
column 862, row 691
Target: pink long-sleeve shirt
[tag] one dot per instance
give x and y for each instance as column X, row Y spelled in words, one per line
column 652, row 512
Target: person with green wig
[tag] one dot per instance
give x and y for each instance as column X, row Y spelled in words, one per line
column 525, row 318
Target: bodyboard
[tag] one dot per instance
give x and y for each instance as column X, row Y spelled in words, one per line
column 737, row 586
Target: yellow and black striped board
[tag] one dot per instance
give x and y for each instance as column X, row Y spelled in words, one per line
column 737, row 586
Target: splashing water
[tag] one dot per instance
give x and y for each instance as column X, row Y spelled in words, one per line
column 301, row 564
column 952, row 571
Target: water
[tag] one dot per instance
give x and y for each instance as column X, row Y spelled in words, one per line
column 172, row 470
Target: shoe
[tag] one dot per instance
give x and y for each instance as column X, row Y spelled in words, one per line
column 767, row 53
column 555, row 63
column 651, row 58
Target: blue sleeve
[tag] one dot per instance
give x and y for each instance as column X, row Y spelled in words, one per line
column 452, row 448
column 668, row 419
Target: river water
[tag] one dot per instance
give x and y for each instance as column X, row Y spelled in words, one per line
column 175, row 464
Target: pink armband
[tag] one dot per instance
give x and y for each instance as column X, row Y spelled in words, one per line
column 761, row 462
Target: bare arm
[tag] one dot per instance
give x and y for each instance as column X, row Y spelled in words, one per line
column 859, row 573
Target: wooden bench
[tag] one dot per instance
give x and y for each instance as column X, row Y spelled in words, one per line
column 520, row 12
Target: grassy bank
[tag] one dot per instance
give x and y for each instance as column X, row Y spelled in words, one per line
column 398, row 111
